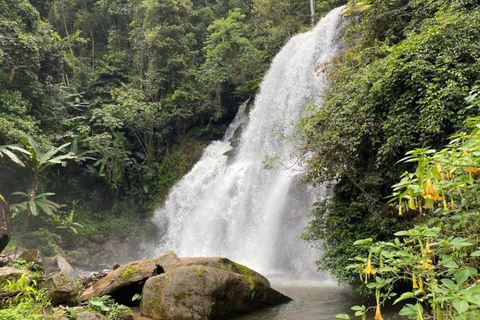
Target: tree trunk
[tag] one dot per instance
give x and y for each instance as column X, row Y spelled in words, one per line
column 312, row 12
column 33, row 194
column 5, row 224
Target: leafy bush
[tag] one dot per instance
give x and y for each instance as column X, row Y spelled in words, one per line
column 43, row 240
column 22, row 264
column 439, row 256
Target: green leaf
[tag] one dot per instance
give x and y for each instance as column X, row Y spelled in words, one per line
column 23, row 194
column 450, row 264
column 448, row 283
column 404, row 233
column 475, row 299
column 462, row 276
column 362, row 241
column 33, row 207
column 45, row 208
column 475, row 254
column 342, row 316
column 460, row 305
column 404, row 296
column 12, row 157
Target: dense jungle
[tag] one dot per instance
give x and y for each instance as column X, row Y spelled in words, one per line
column 106, row 104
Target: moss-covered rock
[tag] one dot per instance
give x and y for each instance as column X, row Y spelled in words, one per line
column 127, row 275
column 62, row 289
column 201, row 292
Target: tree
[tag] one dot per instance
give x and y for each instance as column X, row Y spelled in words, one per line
column 5, row 224
column 231, row 59
column 36, row 160
column 312, row 11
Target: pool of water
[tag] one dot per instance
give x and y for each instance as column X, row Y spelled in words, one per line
column 315, row 301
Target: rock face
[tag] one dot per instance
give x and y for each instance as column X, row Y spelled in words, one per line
column 205, row 292
column 62, row 289
column 66, row 268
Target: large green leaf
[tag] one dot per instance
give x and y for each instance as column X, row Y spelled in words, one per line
column 460, row 305
column 33, row 207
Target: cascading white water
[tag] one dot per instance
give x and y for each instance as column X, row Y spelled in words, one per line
column 229, row 204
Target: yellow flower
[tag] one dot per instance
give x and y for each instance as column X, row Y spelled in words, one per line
column 434, row 197
column 464, row 154
column 378, row 315
column 426, row 264
column 414, row 280
column 411, row 203
column 400, row 213
column 369, row 270
column 430, row 189
column 431, row 193
column 473, row 170
column 453, row 205
column 427, row 249
column 420, row 280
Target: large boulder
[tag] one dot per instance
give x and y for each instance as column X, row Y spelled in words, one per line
column 66, row 268
column 224, row 264
column 123, row 282
column 200, row 292
column 62, row 289
column 32, row 255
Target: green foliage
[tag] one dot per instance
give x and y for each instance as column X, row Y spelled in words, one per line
column 109, row 308
column 231, row 58
column 42, row 239
column 439, row 255
column 22, row 264
column 28, row 300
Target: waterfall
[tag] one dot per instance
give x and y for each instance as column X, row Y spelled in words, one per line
column 229, row 205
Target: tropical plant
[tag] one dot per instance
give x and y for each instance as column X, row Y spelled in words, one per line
column 439, row 256
column 36, row 160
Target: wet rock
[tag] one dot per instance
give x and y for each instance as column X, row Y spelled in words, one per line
column 91, row 315
column 91, row 279
column 168, row 261
column 202, row 292
column 98, row 238
column 123, row 282
column 32, row 255
column 66, row 268
column 62, row 289
column 224, row 264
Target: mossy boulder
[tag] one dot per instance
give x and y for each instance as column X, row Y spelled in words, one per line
column 224, row 264
column 125, row 280
column 201, row 292
column 32, row 255
column 62, row 289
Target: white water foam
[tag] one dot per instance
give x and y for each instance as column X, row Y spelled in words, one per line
column 229, row 205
